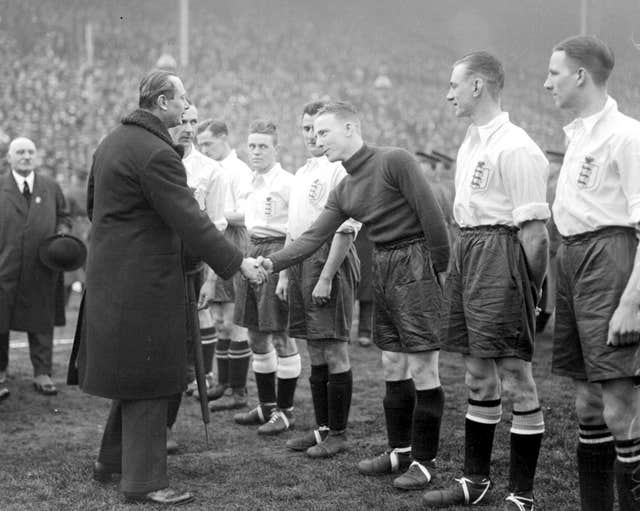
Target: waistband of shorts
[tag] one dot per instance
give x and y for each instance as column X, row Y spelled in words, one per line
column 402, row 242
column 598, row 233
column 260, row 240
column 494, row 228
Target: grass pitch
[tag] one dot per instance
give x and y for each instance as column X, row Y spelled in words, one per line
column 47, row 445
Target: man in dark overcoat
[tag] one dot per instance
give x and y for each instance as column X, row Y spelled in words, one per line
column 134, row 321
column 32, row 208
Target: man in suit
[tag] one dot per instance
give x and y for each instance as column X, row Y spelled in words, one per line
column 133, row 327
column 32, row 208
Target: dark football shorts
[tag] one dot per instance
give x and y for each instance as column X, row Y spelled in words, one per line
column 408, row 301
column 257, row 307
column 593, row 271
column 225, row 290
column 331, row 321
column 491, row 300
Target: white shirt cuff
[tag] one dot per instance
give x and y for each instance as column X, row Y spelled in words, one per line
column 531, row 211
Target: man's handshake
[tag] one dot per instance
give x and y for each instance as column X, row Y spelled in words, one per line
column 255, row 270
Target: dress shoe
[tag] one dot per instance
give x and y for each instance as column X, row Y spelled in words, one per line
column 166, row 496
column 43, row 384
column 102, row 474
column 217, row 391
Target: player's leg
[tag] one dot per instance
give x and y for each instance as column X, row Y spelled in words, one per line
column 398, row 404
column 527, row 428
column 621, row 399
column 287, row 374
column 265, row 364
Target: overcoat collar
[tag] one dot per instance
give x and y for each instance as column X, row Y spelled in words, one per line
column 10, row 189
column 146, row 120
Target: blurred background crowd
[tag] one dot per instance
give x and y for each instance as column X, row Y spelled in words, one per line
column 70, row 68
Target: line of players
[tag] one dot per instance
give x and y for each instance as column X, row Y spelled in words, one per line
column 301, row 228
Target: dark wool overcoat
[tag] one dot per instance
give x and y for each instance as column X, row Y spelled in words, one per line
column 27, row 287
column 133, row 326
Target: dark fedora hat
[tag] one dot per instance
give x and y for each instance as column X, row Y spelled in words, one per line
column 62, row 252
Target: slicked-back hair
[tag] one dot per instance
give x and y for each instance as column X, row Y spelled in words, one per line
column 215, row 126
column 343, row 110
column 590, row 53
column 155, row 83
column 488, row 67
column 264, row 127
column 313, row 108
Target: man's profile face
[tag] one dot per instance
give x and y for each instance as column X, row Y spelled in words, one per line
column 561, row 80
column 185, row 132
column 461, row 89
column 333, row 136
column 22, row 156
column 212, row 146
column 262, row 152
column 177, row 105
column 309, row 135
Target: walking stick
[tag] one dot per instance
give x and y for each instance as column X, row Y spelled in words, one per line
column 198, row 359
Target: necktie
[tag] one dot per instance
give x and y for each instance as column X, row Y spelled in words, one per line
column 26, row 192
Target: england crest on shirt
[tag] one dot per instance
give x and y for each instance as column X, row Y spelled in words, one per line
column 316, row 191
column 480, row 177
column 270, row 207
column 588, row 172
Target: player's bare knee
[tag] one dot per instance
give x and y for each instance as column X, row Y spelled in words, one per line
column 589, row 405
column 621, row 408
column 395, row 366
column 424, row 369
column 284, row 345
column 482, row 386
column 259, row 342
column 336, row 354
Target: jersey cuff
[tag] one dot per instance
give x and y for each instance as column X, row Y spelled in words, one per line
column 531, row 211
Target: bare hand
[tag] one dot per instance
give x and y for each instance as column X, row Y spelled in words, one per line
column 266, row 263
column 252, row 271
column 624, row 327
column 207, row 291
column 282, row 288
column 321, row 293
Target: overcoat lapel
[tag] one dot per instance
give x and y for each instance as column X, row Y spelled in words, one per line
column 11, row 192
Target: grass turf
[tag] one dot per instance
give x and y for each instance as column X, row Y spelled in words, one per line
column 47, row 445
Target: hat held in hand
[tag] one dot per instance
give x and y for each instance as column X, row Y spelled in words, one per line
column 62, row 252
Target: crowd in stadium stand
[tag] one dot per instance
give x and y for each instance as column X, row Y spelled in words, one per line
column 246, row 61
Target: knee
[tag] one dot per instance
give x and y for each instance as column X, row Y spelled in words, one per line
column 259, row 343
column 519, row 386
column 589, row 408
column 225, row 329
column 395, row 366
column 284, row 345
column 482, row 386
column 619, row 413
column 337, row 357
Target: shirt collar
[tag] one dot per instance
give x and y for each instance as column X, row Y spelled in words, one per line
column 588, row 123
column 20, row 180
column 486, row 130
column 358, row 158
column 269, row 176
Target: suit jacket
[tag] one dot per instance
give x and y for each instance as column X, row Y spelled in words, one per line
column 27, row 287
column 133, row 327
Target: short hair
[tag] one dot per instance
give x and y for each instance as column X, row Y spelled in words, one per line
column 486, row 65
column 154, row 84
column 216, row 127
column 313, row 108
column 342, row 110
column 264, row 128
column 590, row 53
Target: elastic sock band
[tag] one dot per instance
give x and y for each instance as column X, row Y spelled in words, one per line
column 484, row 412
column 289, row 367
column 265, row 362
column 596, row 434
column 528, row 423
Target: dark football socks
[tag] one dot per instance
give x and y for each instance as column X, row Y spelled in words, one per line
column 289, row 369
column 222, row 358
column 339, row 399
column 264, row 368
column 596, row 456
column 398, row 402
column 208, row 351
column 427, row 416
column 527, row 429
column 627, row 469
column 480, row 426
column 318, row 381
column 239, row 358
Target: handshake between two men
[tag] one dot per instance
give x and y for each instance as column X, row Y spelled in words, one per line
column 255, row 270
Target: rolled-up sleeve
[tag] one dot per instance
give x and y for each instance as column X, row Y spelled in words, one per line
column 525, row 175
